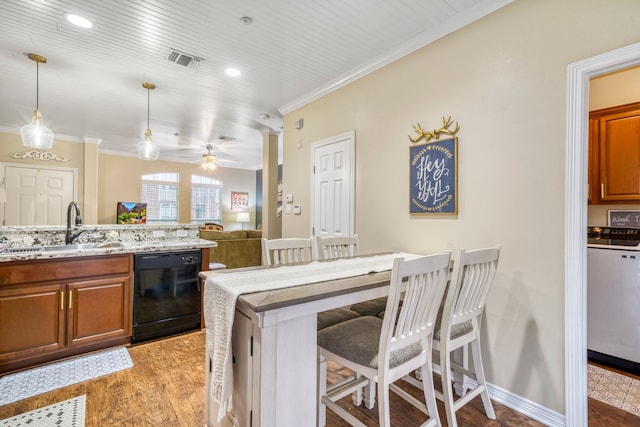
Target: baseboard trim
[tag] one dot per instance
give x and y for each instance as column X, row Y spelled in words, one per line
column 524, row 406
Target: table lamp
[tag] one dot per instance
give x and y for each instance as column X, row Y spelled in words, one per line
column 242, row 218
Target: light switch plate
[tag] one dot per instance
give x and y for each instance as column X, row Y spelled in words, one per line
column 297, row 209
column 287, row 209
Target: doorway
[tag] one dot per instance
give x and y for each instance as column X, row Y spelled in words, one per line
column 579, row 74
column 37, row 195
column 333, row 186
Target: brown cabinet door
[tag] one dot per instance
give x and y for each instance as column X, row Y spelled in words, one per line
column 32, row 321
column 99, row 309
column 619, row 158
column 593, row 180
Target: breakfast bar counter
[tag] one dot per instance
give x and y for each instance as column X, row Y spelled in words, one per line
column 273, row 340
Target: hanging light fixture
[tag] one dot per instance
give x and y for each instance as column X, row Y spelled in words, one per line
column 147, row 149
column 36, row 134
column 209, row 159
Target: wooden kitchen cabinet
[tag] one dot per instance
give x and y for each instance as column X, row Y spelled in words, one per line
column 614, row 155
column 97, row 310
column 593, row 182
column 56, row 308
column 32, row 321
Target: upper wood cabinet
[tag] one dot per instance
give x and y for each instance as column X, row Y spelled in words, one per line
column 614, row 155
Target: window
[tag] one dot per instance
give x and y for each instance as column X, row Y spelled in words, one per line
column 160, row 193
column 206, row 199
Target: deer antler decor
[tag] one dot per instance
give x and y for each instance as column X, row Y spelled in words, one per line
column 434, row 134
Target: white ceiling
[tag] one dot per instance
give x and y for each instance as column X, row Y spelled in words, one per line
column 91, row 87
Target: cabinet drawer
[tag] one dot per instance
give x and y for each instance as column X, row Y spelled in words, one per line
column 61, row 269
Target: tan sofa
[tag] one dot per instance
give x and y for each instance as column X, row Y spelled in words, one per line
column 238, row 248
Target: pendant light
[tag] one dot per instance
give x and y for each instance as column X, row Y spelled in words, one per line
column 147, row 149
column 36, row 134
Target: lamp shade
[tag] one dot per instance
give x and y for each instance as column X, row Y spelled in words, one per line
column 36, row 134
column 243, row 217
column 147, row 149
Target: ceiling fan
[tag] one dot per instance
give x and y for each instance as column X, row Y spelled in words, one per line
column 209, row 160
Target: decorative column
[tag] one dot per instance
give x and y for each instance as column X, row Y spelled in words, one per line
column 271, row 222
column 90, row 187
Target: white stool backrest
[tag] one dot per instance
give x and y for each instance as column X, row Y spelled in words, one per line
column 423, row 282
column 333, row 247
column 286, row 251
column 473, row 274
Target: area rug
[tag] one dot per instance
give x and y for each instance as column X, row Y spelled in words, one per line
column 69, row 413
column 40, row 380
column 614, row 389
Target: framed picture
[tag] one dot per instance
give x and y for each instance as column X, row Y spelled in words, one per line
column 433, row 181
column 239, row 201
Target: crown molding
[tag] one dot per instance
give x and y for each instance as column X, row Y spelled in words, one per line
column 58, row 136
column 479, row 11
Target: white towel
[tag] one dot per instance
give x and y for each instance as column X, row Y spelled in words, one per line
column 221, row 293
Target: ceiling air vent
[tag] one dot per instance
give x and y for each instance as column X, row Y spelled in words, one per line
column 225, row 138
column 184, row 59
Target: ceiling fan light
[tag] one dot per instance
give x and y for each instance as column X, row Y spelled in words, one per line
column 209, row 166
column 147, row 149
column 36, row 134
column 209, row 159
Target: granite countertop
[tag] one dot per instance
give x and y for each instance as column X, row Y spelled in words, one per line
column 20, row 243
column 108, row 249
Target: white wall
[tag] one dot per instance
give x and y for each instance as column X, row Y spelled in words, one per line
column 504, row 79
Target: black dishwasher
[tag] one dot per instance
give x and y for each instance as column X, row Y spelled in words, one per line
column 166, row 294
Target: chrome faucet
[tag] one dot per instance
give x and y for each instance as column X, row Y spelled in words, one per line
column 69, row 236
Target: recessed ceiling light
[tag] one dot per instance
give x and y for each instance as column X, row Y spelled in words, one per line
column 233, row 72
column 78, row 20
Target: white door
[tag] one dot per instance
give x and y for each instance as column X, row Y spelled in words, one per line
column 38, row 195
column 333, row 185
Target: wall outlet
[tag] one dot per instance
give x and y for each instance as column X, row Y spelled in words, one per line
column 182, row 233
column 158, row 233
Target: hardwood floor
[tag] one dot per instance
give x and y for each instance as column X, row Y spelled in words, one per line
column 166, row 388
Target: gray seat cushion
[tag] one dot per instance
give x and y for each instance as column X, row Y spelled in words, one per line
column 358, row 340
column 456, row 330
column 337, row 315
column 370, row 308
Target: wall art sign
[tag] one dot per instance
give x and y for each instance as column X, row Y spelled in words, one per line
column 239, row 201
column 624, row 218
column 433, row 170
